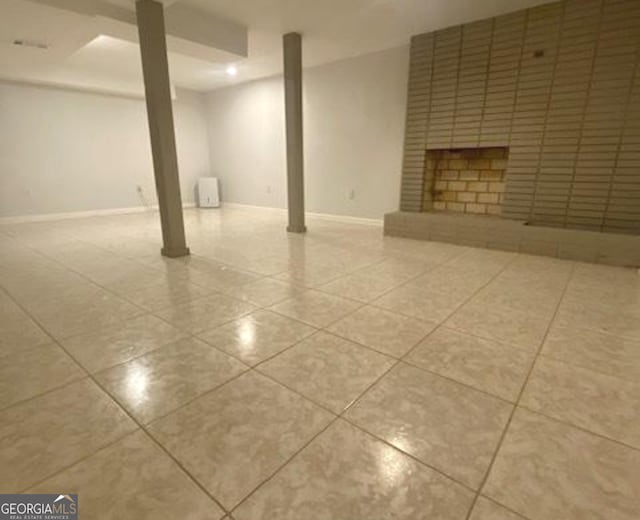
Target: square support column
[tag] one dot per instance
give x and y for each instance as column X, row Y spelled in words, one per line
column 155, row 68
column 292, row 50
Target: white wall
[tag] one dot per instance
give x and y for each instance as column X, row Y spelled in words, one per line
column 354, row 126
column 63, row 151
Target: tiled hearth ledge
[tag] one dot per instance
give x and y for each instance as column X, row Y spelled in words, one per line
column 513, row 235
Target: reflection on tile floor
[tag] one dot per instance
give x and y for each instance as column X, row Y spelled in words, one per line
column 338, row 375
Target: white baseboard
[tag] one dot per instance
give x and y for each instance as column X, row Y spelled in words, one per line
column 321, row 216
column 252, row 206
column 22, row 219
column 46, row 217
column 347, row 219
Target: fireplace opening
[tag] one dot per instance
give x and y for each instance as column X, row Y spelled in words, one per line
column 465, row 180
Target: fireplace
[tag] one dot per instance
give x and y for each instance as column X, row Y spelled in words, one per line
column 550, row 90
column 465, row 180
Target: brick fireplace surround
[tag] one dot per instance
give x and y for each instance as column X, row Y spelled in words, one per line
column 558, row 86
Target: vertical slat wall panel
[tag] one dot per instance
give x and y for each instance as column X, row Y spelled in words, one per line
column 570, row 101
column 559, row 84
column 621, row 39
column 475, row 52
column 418, row 113
column 502, row 79
column 446, row 66
column 535, row 81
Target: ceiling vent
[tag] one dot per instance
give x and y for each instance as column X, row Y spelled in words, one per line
column 31, row 43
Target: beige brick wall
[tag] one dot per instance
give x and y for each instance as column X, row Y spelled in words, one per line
column 466, row 181
column 559, row 85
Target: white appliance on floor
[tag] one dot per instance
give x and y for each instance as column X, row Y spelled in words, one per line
column 208, row 192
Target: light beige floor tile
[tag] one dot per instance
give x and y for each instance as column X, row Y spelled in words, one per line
column 446, row 280
column 236, row 437
column 310, row 276
column 316, row 308
column 602, row 352
column 215, row 275
column 487, row 510
column 127, row 277
column 382, row 330
column 18, row 329
column 612, row 319
column 257, row 336
column 121, row 342
column 328, row 369
column 480, row 259
column 626, row 295
column 44, row 435
column 521, row 329
column 35, row 370
column 205, row 313
column 103, row 268
column 418, row 250
column 64, row 320
column 549, row 471
column 417, row 303
column 446, row 425
column 345, row 474
column 606, row 274
column 158, row 382
column 520, row 297
column 597, row 402
column 600, row 313
column 133, row 478
column 143, row 276
column 360, row 287
column 162, row 294
column 50, row 289
column 398, row 270
column 493, row 367
column 265, row 292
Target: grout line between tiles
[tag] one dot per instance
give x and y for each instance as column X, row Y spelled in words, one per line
column 520, row 393
column 493, row 501
column 79, row 461
column 259, row 307
column 126, row 412
column 285, row 463
column 342, row 413
column 342, row 416
column 457, row 382
column 144, row 429
column 578, row 427
column 552, row 356
column 140, row 425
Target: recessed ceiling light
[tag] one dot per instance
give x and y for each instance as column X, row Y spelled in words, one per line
column 232, row 70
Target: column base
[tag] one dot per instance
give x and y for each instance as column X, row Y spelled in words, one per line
column 175, row 252
column 297, row 229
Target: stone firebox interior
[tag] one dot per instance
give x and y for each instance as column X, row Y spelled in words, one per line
column 466, row 180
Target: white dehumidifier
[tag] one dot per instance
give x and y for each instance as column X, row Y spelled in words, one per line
column 208, row 192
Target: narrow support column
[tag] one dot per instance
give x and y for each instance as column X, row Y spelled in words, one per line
column 155, row 68
column 292, row 46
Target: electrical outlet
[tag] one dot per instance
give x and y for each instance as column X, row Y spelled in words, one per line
column 268, row 189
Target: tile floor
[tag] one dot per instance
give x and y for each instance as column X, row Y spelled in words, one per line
column 338, row 375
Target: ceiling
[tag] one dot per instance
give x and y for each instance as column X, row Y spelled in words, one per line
column 92, row 44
